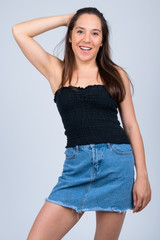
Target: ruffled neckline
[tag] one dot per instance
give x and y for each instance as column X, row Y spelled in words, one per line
column 79, row 88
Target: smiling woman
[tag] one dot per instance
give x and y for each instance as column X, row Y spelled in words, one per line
column 100, row 156
column 95, row 32
column 88, row 40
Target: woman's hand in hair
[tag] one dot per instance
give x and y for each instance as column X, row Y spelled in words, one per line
column 69, row 17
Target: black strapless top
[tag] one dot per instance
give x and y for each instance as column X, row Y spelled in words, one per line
column 89, row 115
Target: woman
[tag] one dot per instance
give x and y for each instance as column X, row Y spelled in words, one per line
column 98, row 171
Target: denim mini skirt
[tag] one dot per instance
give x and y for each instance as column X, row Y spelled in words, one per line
column 96, row 177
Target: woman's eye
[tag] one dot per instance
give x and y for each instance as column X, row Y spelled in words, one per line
column 79, row 31
column 82, row 31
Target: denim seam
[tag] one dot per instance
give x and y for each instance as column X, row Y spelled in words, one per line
column 83, row 200
column 122, row 153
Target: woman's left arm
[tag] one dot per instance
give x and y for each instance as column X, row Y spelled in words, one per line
column 141, row 189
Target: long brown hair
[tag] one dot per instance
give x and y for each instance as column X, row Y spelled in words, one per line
column 106, row 67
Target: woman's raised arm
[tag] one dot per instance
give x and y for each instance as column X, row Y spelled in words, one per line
column 24, row 32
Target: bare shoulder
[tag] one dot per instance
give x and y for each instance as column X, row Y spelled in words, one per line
column 55, row 76
column 124, row 77
column 121, row 71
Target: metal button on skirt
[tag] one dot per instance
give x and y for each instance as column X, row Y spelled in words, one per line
column 96, row 177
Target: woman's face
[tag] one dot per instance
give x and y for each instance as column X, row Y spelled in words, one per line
column 87, row 32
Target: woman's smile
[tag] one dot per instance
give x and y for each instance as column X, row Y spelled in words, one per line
column 85, row 50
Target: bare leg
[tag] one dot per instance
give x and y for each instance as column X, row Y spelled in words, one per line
column 108, row 225
column 53, row 222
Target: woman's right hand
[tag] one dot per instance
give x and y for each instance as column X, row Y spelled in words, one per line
column 69, row 17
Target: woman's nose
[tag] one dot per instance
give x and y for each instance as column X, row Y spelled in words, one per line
column 86, row 37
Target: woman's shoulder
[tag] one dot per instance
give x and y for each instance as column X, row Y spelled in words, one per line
column 123, row 74
column 120, row 69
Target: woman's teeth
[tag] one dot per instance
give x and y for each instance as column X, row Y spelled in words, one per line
column 85, row 48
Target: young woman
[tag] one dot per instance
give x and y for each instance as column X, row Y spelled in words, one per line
column 100, row 155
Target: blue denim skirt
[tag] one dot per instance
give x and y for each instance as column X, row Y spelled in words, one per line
column 96, row 177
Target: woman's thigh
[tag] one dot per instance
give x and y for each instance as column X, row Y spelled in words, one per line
column 53, row 222
column 108, row 225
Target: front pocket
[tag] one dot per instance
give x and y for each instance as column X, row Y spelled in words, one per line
column 70, row 153
column 122, row 148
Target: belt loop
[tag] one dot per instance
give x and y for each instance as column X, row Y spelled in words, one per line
column 91, row 146
column 109, row 145
column 77, row 148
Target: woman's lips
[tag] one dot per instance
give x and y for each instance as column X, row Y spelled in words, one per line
column 85, row 51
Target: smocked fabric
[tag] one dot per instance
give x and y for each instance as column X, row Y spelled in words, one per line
column 89, row 115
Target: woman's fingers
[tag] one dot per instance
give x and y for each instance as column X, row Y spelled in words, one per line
column 141, row 194
column 138, row 205
column 70, row 17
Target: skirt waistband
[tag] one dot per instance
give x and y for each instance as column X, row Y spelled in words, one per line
column 90, row 146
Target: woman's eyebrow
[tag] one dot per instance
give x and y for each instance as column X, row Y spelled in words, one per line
column 95, row 29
